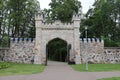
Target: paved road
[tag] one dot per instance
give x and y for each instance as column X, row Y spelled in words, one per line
column 61, row 71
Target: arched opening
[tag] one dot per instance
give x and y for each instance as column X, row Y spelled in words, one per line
column 57, row 50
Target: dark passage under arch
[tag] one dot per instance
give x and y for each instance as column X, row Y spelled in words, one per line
column 57, row 50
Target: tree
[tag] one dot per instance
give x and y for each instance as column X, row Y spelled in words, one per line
column 2, row 20
column 103, row 19
column 21, row 16
column 18, row 18
column 63, row 9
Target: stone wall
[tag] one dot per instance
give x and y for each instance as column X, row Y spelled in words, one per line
column 111, row 55
column 3, row 52
column 21, row 50
column 97, row 53
column 92, row 48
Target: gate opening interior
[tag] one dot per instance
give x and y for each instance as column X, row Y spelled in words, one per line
column 57, row 50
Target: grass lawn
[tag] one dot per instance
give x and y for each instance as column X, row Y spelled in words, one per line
column 16, row 69
column 114, row 78
column 97, row 67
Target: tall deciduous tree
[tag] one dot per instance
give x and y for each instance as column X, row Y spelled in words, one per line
column 18, row 18
column 63, row 9
column 21, row 16
column 3, row 20
column 103, row 19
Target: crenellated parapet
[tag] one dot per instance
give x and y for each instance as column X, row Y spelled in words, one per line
column 39, row 17
column 40, row 22
column 76, row 17
column 76, row 20
column 91, row 40
column 18, row 40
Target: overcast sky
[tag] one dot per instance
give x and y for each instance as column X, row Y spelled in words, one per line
column 85, row 4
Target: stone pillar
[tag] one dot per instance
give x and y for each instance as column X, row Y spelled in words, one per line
column 37, row 56
column 38, row 25
column 43, row 51
column 76, row 21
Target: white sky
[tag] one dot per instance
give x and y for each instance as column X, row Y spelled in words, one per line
column 86, row 4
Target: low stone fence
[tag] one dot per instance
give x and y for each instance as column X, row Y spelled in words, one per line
column 97, row 53
column 111, row 55
column 93, row 48
column 3, row 52
column 22, row 51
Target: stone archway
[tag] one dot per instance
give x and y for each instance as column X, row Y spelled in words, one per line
column 65, row 31
column 57, row 50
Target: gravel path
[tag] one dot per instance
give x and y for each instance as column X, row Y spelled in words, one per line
column 61, row 71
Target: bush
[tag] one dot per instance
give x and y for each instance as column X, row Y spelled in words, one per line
column 4, row 42
column 110, row 43
column 4, row 65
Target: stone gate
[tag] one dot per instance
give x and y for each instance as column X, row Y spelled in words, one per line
column 46, row 32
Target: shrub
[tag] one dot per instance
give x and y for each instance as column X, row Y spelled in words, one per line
column 110, row 43
column 4, row 65
column 5, row 42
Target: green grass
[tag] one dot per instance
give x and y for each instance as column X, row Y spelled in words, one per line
column 16, row 69
column 114, row 78
column 97, row 67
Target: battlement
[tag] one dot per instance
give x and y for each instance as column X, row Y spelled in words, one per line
column 76, row 17
column 57, row 24
column 17, row 40
column 38, row 17
column 91, row 40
